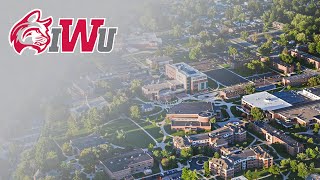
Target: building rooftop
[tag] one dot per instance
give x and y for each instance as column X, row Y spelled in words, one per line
column 191, row 108
column 189, row 123
column 315, row 91
column 265, row 101
column 161, row 86
column 304, row 111
column 290, row 97
column 275, row 132
column 187, row 70
column 123, row 161
column 239, row 178
column 198, row 137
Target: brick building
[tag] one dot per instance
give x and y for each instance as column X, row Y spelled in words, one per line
column 227, row 166
column 193, row 80
column 273, row 135
column 125, row 165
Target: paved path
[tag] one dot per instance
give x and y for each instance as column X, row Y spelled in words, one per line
column 143, row 130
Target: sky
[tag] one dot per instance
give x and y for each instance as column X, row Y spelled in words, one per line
column 26, row 78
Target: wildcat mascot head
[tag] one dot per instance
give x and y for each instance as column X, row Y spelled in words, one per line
column 31, row 32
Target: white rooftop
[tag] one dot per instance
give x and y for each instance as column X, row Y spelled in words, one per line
column 265, row 101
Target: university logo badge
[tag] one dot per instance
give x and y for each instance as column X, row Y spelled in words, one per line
column 35, row 32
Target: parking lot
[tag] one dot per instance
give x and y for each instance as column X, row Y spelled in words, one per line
column 225, row 77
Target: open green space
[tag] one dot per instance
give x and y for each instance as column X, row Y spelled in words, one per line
column 134, row 136
column 152, row 129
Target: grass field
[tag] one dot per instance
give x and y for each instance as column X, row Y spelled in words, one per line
column 135, row 137
column 152, row 129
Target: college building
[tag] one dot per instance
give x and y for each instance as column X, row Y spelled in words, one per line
column 222, row 137
column 193, row 80
column 163, row 91
column 227, row 166
column 191, row 116
column 274, row 135
column 125, row 165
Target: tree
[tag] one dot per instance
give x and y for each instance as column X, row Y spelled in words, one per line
column 313, row 81
column 274, row 169
column 254, row 37
column 302, row 170
column 257, row 113
column 232, row 52
column 165, row 162
column 250, row 89
column 293, row 165
column 298, row 65
column 213, row 120
column 310, row 140
column 52, row 160
column 244, row 35
column 177, row 30
column 187, row 174
column 316, row 128
column 150, row 147
column 265, row 49
column 249, row 175
column 67, row 148
column 135, row 86
column 318, row 47
column 285, row 162
column 186, row 153
column 312, row 47
column 135, row 112
column 72, row 127
column 301, row 156
column 206, row 168
column 301, row 37
column 195, row 53
column 77, row 176
column 120, row 135
column 216, row 155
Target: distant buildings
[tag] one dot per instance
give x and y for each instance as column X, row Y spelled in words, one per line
column 307, row 57
column 191, row 116
column 216, row 139
column 82, row 143
column 227, row 166
column 163, row 91
column 193, row 80
column 125, row 165
column 233, row 91
column 78, row 110
column 278, row 64
column 274, row 135
column 299, row 79
column 158, row 62
column 136, row 42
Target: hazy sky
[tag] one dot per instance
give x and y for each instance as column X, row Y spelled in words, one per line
column 24, row 77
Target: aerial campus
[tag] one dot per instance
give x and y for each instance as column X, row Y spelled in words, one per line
column 206, row 89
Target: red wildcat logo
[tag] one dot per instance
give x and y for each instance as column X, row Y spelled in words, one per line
column 31, row 32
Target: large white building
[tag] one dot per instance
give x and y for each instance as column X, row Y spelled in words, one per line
column 264, row 101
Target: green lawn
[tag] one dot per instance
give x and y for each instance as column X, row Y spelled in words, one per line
column 135, row 137
column 152, row 129
column 224, row 113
